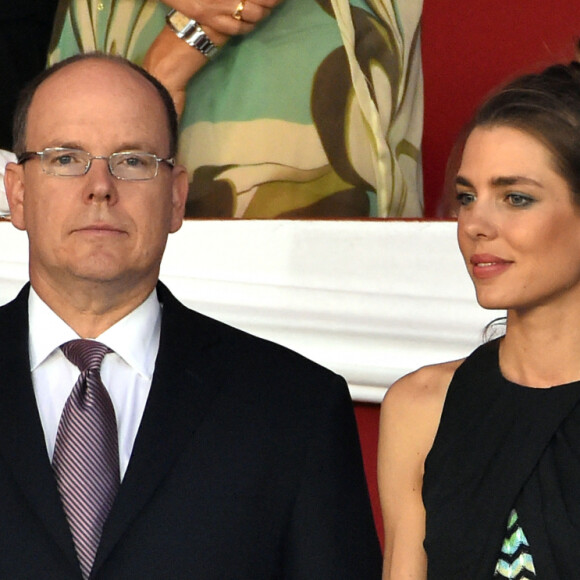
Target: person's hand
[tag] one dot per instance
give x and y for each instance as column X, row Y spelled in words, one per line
column 173, row 62
column 219, row 14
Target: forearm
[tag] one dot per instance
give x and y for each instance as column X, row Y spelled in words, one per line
column 173, row 62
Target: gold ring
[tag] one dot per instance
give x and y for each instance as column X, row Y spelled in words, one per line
column 237, row 15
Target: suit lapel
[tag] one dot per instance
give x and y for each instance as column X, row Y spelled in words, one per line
column 177, row 403
column 21, row 436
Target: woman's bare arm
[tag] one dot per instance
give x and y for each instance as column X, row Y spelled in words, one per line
column 410, row 415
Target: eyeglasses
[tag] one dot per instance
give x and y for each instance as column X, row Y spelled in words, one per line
column 125, row 165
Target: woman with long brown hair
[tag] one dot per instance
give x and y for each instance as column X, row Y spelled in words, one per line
column 479, row 459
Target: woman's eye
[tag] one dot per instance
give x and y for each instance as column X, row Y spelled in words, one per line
column 465, row 198
column 519, row 199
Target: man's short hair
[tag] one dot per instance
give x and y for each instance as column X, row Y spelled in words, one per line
column 28, row 92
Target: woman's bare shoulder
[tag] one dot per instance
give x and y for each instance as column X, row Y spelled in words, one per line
column 425, row 386
column 412, row 407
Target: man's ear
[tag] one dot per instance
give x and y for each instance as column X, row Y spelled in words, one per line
column 14, row 186
column 178, row 196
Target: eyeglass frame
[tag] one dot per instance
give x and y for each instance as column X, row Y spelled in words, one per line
column 28, row 155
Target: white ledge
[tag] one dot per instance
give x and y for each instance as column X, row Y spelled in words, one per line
column 371, row 300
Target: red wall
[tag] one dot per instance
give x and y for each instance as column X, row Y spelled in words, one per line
column 367, row 416
column 470, row 46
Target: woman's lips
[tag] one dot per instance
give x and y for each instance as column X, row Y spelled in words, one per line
column 488, row 265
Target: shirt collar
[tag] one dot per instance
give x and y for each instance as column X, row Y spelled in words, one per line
column 135, row 338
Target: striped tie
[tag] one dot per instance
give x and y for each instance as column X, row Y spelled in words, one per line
column 86, row 452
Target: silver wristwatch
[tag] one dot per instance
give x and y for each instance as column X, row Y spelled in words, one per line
column 191, row 32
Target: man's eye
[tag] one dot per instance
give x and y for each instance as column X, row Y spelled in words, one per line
column 64, row 160
column 134, row 161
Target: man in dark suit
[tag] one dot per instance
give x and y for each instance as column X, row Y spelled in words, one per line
column 237, row 458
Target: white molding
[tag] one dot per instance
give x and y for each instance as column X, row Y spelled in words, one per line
column 370, row 299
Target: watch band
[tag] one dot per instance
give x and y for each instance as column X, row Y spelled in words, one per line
column 191, row 32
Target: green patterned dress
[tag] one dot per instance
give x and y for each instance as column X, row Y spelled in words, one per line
column 317, row 113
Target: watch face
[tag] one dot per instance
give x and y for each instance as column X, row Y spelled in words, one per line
column 179, row 21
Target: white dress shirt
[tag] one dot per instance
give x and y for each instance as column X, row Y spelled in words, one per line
column 126, row 372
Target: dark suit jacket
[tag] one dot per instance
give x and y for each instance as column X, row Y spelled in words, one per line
column 246, row 466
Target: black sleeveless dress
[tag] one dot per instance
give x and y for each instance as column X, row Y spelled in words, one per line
column 502, row 449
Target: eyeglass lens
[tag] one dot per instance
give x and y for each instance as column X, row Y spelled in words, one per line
column 130, row 165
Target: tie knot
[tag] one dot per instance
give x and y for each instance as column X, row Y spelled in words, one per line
column 85, row 354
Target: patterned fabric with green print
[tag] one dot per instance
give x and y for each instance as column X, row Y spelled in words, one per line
column 318, row 112
column 515, row 561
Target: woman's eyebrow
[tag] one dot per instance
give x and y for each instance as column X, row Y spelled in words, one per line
column 514, row 180
column 501, row 181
